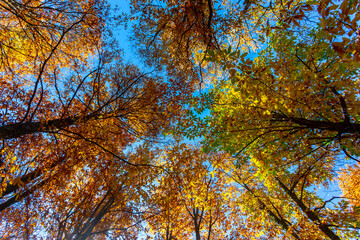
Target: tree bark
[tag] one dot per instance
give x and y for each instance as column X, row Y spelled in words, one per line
column 308, row 212
column 278, row 219
column 340, row 127
column 27, row 178
column 20, row 197
column 16, row 130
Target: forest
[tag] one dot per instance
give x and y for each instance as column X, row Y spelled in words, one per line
column 230, row 120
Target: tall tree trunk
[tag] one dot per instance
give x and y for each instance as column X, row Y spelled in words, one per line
column 27, row 178
column 340, row 127
column 16, row 130
column 308, row 212
column 21, row 196
column 278, row 218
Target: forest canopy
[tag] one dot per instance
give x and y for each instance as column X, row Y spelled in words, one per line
column 232, row 120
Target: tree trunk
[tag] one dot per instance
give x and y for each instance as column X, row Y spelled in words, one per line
column 278, row 219
column 340, row 127
column 309, row 213
column 16, row 130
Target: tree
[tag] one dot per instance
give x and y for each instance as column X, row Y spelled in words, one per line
column 191, row 195
column 175, row 35
column 71, row 107
column 289, row 113
column 105, row 205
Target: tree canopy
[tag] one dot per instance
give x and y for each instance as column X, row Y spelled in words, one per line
column 237, row 120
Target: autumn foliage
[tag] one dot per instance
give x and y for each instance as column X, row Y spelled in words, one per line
column 240, row 122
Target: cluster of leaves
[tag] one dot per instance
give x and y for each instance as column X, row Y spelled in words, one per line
column 81, row 156
column 192, row 195
column 289, row 114
column 70, row 110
